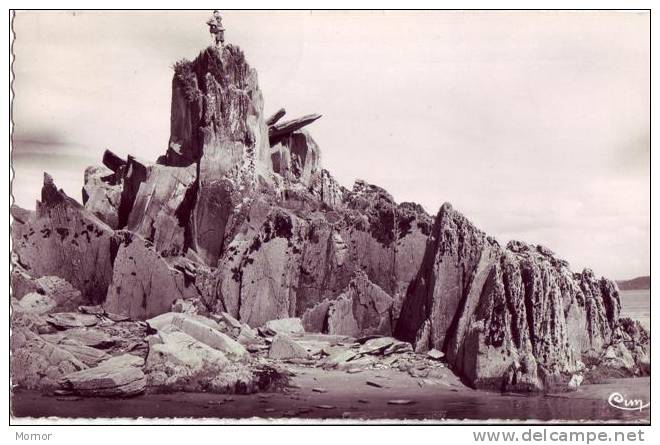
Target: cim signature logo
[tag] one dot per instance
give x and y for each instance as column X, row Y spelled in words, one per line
column 618, row 401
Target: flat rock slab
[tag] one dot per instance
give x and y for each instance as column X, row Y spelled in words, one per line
column 118, row 318
column 325, row 406
column 398, row 347
column 92, row 337
column 89, row 356
column 400, row 402
column 338, row 356
column 92, row 310
column 68, row 320
column 123, row 361
column 104, row 381
column 377, row 345
column 284, row 326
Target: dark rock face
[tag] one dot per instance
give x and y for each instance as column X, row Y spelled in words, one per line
column 276, row 132
column 218, row 125
column 296, row 157
column 217, row 112
column 239, row 218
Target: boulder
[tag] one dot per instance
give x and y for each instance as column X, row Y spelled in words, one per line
column 124, row 360
column 435, row 354
column 113, row 162
column 180, row 361
column 202, row 329
column 35, row 303
column 398, row 347
column 284, row 347
column 230, row 321
column 22, row 283
column 66, row 297
column 184, row 306
column 91, row 337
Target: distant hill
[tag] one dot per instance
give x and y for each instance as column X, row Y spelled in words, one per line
column 638, row 283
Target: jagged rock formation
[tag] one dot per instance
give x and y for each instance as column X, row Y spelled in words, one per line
column 62, row 239
column 239, row 221
column 102, row 195
column 514, row 316
column 362, row 309
column 218, row 125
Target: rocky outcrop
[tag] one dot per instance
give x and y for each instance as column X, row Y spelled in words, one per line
column 296, row 157
column 238, row 221
column 59, row 292
column 102, row 194
column 362, row 309
column 217, row 124
column 284, row 348
column 159, row 213
column 513, row 317
column 38, row 364
column 63, row 239
column 143, row 283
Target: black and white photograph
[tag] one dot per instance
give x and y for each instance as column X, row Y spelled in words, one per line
column 310, row 217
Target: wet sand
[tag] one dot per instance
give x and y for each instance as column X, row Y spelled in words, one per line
column 368, row 395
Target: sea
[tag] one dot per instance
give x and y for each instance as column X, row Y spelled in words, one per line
column 636, row 304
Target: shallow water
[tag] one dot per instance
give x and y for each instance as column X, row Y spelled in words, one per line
column 352, row 401
column 636, row 304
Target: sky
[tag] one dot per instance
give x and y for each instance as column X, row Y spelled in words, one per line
column 535, row 125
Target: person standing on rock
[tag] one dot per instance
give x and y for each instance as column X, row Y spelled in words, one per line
column 215, row 28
